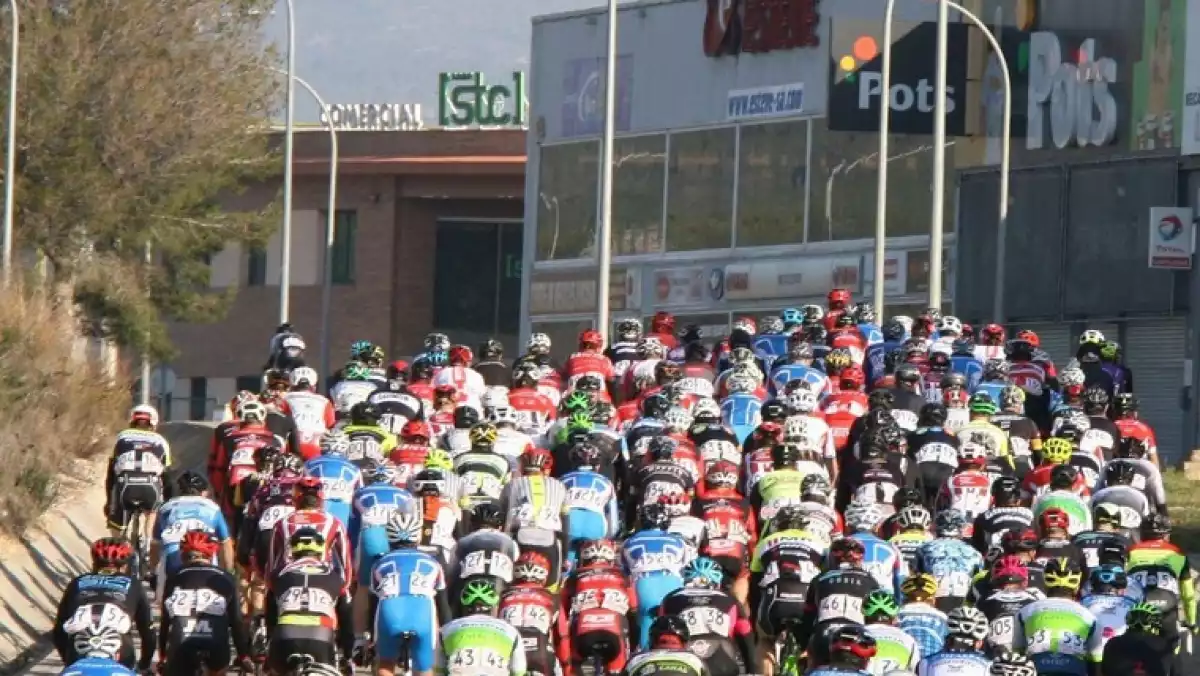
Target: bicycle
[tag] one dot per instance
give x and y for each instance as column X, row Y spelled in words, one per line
column 404, row 665
column 133, row 531
column 595, row 660
column 790, row 652
column 303, row 664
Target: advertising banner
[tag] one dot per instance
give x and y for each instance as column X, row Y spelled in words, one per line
column 681, row 286
column 575, row 293
column 1171, row 231
column 895, row 274
column 583, row 95
column 1158, row 77
column 795, row 279
column 764, row 102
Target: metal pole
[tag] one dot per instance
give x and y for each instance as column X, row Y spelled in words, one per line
column 939, row 159
column 881, row 189
column 604, row 250
column 147, row 257
column 285, row 272
column 1005, row 151
column 10, row 148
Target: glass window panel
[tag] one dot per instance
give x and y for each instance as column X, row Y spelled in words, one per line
column 638, row 166
column 771, row 183
column 567, row 185
column 511, row 236
column 465, row 267
column 844, row 184
column 700, row 190
column 344, row 236
column 256, row 267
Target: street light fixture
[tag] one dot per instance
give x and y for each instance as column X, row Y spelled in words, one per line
column 604, row 249
column 285, row 237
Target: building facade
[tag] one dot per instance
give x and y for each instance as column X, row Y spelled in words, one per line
column 745, row 167
column 428, row 237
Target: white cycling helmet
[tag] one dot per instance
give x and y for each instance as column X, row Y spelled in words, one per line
column 650, row 347
column 503, row 415
column 144, row 412
column 740, row 383
column 677, row 420
column 494, row 397
column 905, row 321
column 304, row 377
column 252, row 410
column 801, row 400
column 968, row 622
column 1071, row 377
column 864, row 517
column 403, row 527
column 538, row 340
column 815, row 312
column 950, row 325
column 97, row 641
column 707, row 407
column 1091, row 337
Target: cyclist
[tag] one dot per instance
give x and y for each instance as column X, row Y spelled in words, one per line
column 201, row 612
column 440, row 513
column 1108, row 599
column 1147, row 477
column 783, row 566
column 535, row 509
column 239, row 457
column 966, row 629
column 133, row 483
column 895, row 648
column 654, row 558
column 97, row 649
column 1125, row 417
column 850, row 651
column 535, row 612
column 309, row 514
column 1056, row 540
column 106, row 598
column 308, row 606
column 601, row 607
column 486, row 552
column 409, row 588
column 1102, row 437
column 1142, row 649
column 340, row 478
column 668, row 653
column 912, row 532
column 1107, row 534
column 1173, row 573
column 951, row 560
column 190, row 510
column 481, row 470
column 1024, row 435
column 480, row 642
column 398, row 405
column 1062, row 497
column 590, row 504
column 458, row 373
column 835, row 599
column 374, row 504
column 918, row 617
column 968, row 489
column 311, row 413
column 1127, row 503
column 1055, row 451
column 1009, row 663
column 715, row 621
column 880, row 558
column 1059, row 634
column 366, row 437
column 1006, row 513
column 356, row 385
column 1006, row 594
column 934, row 450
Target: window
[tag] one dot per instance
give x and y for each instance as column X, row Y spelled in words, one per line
column 638, row 166
column 345, row 232
column 700, row 190
column 256, row 268
column 198, row 402
column 567, row 184
column 465, row 277
column 844, row 185
column 771, row 173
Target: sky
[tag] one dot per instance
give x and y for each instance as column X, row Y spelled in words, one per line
column 391, row 51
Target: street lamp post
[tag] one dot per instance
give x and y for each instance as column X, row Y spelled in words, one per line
column 10, row 147
column 939, row 158
column 285, row 236
column 604, row 246
column 881, row 189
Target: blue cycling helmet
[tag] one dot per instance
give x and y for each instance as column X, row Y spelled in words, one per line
column 950, row 523
column 380, row 473
column 1109, row 575
column 703, row 570
column 963, row 346
column 360, row 349
column 791, row 317
column 438, row 358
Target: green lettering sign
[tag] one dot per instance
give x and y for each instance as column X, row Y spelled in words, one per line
column 466, row 100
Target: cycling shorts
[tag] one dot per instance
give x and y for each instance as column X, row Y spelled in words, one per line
column 539, row 653
column 599, row 633
column 584, row 524
column 407, row 614
column 734, row 567
column 132, row 494
column 193, row 655
column 780, row 601
column 719, row 655
column 318, row 642
column 372, row 544
column 651, row 590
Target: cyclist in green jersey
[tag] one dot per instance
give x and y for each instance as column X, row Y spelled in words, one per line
column 781, row 486
column 1061, row 495
column 1060, row 635
column 894, row 648
column 1149, row 561
column 480, row 644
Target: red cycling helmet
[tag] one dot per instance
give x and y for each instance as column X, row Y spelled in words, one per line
column 531, row 567
column 590, row 340
column 602, row 552
column 1029, row 337
column 968, row 331
column 537, row 461
column 663, row 322
column 413, row 430
column 722, row 474
column 309, row 485
column 847, row 550
column 852, row 378
column 993, row 334
column 199, row 542
column 109, row 552
column 1010, row 569
column 1054, row 518
column 839, row 299
column 1019, row 540
column 460, row 355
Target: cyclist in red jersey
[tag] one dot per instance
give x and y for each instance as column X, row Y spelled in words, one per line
column 662, row 326
column 409, row 455
column 1125, row 416
column 589, row 360
column 420, row 382
column 730, row 528
column 991, row 345
column 847, row 336
column 218, row 457
column 309, row 499
column 534, row 409
column 602, row 608
column 847, row 404
column 536, row 613
column 241, row 448
column 839, row 303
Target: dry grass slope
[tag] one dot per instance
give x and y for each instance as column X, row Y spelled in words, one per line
column 56, row 408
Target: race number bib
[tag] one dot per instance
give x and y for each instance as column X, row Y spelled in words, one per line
column 840, row 607
column 527, row 616
column 98, row 617
column 273, row 515
column 496, row 564
column 1001, row 631
column 938, row 452
column 906, row 419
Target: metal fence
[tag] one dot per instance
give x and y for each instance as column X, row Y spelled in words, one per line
column 1077, row 241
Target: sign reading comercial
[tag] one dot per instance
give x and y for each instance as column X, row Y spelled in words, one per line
column 466, row 100
column 732, row 27
column 760, row 102
column 1171, row 232
column 1071, row 101
column 373, row 117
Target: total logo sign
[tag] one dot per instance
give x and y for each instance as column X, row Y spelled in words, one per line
column 1072, row 101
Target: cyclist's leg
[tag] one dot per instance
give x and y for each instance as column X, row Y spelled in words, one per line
column 395, row 617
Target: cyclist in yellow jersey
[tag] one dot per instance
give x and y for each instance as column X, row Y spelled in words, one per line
column 779, row 487
column 368, row 439
column 983, row 431
column 535, row 508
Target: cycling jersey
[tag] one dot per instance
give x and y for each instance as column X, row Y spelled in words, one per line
column 411, row 589
column 1001, row 607
column 1078, row 511
column 133, row 482
column 591, row 507
column 1058, row 548
column 909, row 544
column 1110, row 610
column 925, row 624
column 345, row 394
column 894, row 649
column 729, row 532
column 100, row 601
column 482, row 475
column 373, row 442
column 1147, row 480
column 308, row 611
column 969, row 366
column 240, row 449
column 271, row 503
column 991, row 525
column 397, row 407
column 480, row 646
column 340, row 478
column 742, row 412
column 835, row 597
column 715, row 623
column 654, row 560
column 790, row 559
column 535, row 613
column 968, row 491
column 1059, row 635
column 666, row 663
column 882, row 560
column 201, row 613
column 371, row 507
column 1029, row 376
column 97, row 666
column 664, row 478
column 954, row 663
column 337, row 543
column 782, row 374
column 486, row 553
column 464, row 379
column 954, row 563
column 312, row 415
column 178, row 516
column 535, row 411
column 1161, row 552
column 1092, row 541
column 776, row 489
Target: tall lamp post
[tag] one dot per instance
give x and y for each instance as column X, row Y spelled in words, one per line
column 285, row 237
column 604, row 232
column 10, row 147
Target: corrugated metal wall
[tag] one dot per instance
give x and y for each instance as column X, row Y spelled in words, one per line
column 1154, row 351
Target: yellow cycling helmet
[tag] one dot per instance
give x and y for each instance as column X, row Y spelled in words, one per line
column 837, row 360
column 1062, row 573
column 438, row 459
column 483, row 435
column 920, row 585
column 1057, row 450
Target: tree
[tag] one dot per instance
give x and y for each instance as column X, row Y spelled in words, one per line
column 134, row 116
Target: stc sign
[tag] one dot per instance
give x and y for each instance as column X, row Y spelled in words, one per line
column 1069, row 95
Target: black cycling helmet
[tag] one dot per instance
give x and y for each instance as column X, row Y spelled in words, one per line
column 1124, row 403
column 1063, row 477
column 421, row 369
column 1156, row 526
column 774, row 411
column 466, row 417
column 1119, row 474
column 879, row 418
column 893, row 331
column 669, row 630
column 907, row 497
column 661, row 448
column 784, row 455
column 655, row 406
column 655, row 515
column 1095, row 398
column 487, row 514
column 881, row 399
column 364, row 413
column 492, row 350
column 191, row 483
column 789, row 517
column 1006, row 491
column 952, row 379
column 908, row 373
column 933, row 414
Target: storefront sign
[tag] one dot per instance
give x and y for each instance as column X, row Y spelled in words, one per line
column 466, row 100
column 748, row 104
column 794, row 279
column 373, row 116
column 1072, row 99
column 856, row 84
column 681, row 286
column 577, row 294
column 583, row 96
column 1171, row 230
column 757, row 26
column 1190, row 128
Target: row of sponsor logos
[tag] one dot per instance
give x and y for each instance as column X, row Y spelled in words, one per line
column 905, row 272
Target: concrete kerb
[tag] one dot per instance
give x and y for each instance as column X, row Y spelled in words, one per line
column 37, row 567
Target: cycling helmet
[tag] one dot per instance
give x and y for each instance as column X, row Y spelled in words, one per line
column 1119, row 473
column 1156, row 526
column 949, row 326
column 304, row 377
column 436, row 342
column 629, row 330
column 655, row 516
column 1133, row 447
column 1125, row 403
column 919, row 585
column 801, row 400
column 1110, row 351
column 1062, row 573
column 590, row 339
column 252, row 411
column 538, row 343
column 706, row 410
column 864, row 313
column 1009, row 663
column 971, row 453
column 967, row 622
column 491, row 350
column 1053, row 519
column 670, row 631
column 438, row 459
column 1071, row 377
column 661, row 448
column 837, row 360
column 199, row 542
column 466, row 417
column 580, row 421
column 791, row 317
column 981, row 404
column 487, row 514
column 815, row 487
column 98, row 639
column 838, row 298
column 379, row 473
column 913, row 517
column 503, row 415
column 483, row 435
column 1009, row 569
column 364, row 413
column 144, row 413
column 1145, row 617
column 111, row 552
column 479, row 596
column 864, row 517
column 880, row 605
column 601, row 552
column 950, row 523
column 784, row 455
column 1106, row 513
column 908, row 373
column 421, row 370
column 429, row 483
column 677, row 420
column 955, row 398
column 846, row 551
column 591, row 383
column 908, row 496
column 933, row 414
column 355, row 370
column 995, row 370
column 1063, row 477
column 1006, row 490
column 531, row 567
column 789, row 517
column 852, row 378
column 585, row 455
column 403, row 528
column 307, row 542
column 1019, row 540
column 703, row 571
column 813, row 314
column 1091, row 337
column 1012, row 397
column 962, row 347
column 536, row 460
column 1108, row 576
column 894, row 331
column 1057, row 450
column 655, row 406
column 853, row 645
column 741, row 383
column 191, row 482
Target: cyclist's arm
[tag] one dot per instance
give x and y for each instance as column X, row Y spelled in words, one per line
column 166, row 453
column 168, row 590
column 238, row 630
column 1187, row 591
column 345, row 619
column 62, row 642
column 223, row 533
column 517, row 667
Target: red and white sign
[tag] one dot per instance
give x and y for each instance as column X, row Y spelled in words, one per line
column 1171, row 233
column 794, row 279
column 895, row 274
column 680, row 286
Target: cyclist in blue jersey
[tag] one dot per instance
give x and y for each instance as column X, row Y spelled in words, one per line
column 411, row 591
column 373, row 504
column 654, row 560
column 918, row 618
column 771, row 340
column 964, row 361
column 741, row 410
column 99, row 648
column 798, row 365
column 995, row 379
column 340, row 478
column 868, row 323
column 949, row 559
column 880, row 558
column 875, row 364
column 591, row 505
column 963, row 654
column 190, row 509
